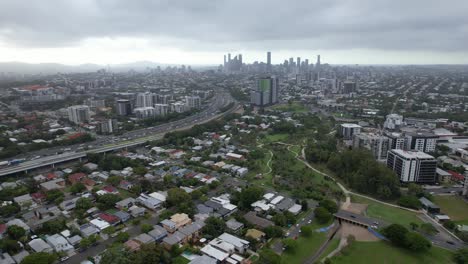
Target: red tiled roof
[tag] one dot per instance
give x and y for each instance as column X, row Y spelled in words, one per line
column 51, row 176
column 111, row 219
column 75, row 177
column 89, row 182
column 3, row 228
column 38, row 196
column 456, row 176
column 110, row 189
column 76, row 135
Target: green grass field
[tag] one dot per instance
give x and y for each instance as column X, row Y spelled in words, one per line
column 383, row 252
column 276, row 137
column 307, row 246
column 453, row 206
column 387, row 213
column 294, row 107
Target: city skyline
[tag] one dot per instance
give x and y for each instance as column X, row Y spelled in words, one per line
column 199, row 33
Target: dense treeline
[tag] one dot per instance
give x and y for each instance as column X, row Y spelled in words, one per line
column 359, row 170
column 321, row 151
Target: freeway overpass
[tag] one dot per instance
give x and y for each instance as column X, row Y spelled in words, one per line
column 70, row 156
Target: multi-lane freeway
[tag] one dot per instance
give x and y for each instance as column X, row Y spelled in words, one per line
column 137, row 137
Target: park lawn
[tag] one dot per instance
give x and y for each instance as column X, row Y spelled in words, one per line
column 307, row 246
column 331, row 246
column 294, row 107
column 384, row 252
column 453, row 206
column 386, row 213
column 263, row 169
column 276, row 137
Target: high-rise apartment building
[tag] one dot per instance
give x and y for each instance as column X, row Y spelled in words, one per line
column 412, row 166
column 266, row 92
column 124, row 107
column 347, row 131
column 421, row 141
column 144, row 100
column 192, row 102
column 78, row 114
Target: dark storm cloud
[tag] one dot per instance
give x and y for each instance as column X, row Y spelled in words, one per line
column 204, row 24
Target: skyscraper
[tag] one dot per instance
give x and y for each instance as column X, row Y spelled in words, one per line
column 144, row 100
column 266, row 92
column 269, row 61
column 318, row 61
column 298, row 63
column 124, row 107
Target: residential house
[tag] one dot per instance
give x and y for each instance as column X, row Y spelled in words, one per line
column 20, row 256
column 39, row 245
column 149, row 202
column 56, row 184
column 158, row 233
column 255, row 234
column 3, row 230
column 234, row 226
column 144, row 238
column 59, row 243
column 76, row 178
column 173, row 239
column 69, row 205
column 88, row 230
column 257, row 221
column 137, row 211
column 99, row 224
column 132, row 245
column 25, row 201
column 20, row 223
column 38, row 197
column 111, row 219
column 191, row 231
column 126, row 185
column 123, row 216
column 5, row 258
column 125, row 203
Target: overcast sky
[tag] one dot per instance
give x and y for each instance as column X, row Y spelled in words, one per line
column 201, row 31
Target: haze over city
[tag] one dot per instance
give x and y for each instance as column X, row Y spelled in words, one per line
column 198, row 32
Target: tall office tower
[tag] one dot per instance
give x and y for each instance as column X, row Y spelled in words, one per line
column 347, row 130
column 229, row 57
column 78, row 113
column 107, row 126
column 266, row 92
column 298, row 63
column 291, row 61
column 377, row 144
column 269, row 61
column 349, row 87
column 318, row 61
column 192, row 102
column 412, row 166
column 224, row 64
column 306, row 64
column 240, row 59
column 144, row 100
column 124, row 107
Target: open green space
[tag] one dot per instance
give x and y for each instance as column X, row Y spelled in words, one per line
column 307, row 246
column 332, row 245
column 276, row 138
column 391, row 215
column 384, row 252
column 453, row 206
column 293, row 107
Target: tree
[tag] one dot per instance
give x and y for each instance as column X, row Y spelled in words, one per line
column 249, row 195
column 268, row 256
column 114, row 180
column 109, row 230
column 415, row 190
column 9, row 245
column 9, row 210
column 330, row 205
column 428, row 229
column 16, row 232
column 39, row 258
column 450, row 225
column 145, row 228
column 304, row 205
column 279, row 219
column 417, row 242
column 116, row 255
column 77, row 188
column 85, row 243
column 461, row 256
column 306, row 231
column 290, row 244
column 273, row 231
column 83, row 204
column 323, row 215
column 150, row 253
column 214, row 226
column 107, row 201
column 54, row 196
column 181, row 200
column 413, row 225
column 410, row 202
column 140, row 170
column 122, row 237
column 396, row 233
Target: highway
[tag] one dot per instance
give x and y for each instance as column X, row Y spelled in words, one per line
column 129, row 139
